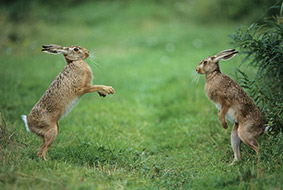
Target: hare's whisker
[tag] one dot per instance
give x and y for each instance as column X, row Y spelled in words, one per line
column 195, row 77
column 93, row 61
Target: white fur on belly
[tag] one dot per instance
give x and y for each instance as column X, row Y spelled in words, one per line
column 230, row 114
column 70, row 106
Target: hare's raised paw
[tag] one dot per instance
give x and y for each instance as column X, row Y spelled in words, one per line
column 106, row 90
column 111, row 90
column 101, row 94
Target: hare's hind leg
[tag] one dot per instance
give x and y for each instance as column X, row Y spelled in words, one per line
column 247, row 137
column 47, row 140
column 236, row 143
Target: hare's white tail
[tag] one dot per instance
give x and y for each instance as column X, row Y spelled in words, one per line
column 24, row 118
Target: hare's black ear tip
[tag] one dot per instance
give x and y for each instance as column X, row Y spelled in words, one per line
column 231, row 50
column 45, row 48
column 48, row 46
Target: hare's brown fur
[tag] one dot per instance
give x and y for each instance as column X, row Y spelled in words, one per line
column 232, row 102
column 72, row 82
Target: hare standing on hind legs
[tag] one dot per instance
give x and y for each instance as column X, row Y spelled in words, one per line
column 64, row 92
column 232, row 102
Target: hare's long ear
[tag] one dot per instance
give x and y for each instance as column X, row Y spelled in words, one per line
column 224, row 52
column 226, row 56
column 54, row 49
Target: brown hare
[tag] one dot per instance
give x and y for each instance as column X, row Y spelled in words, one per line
column 232, row 102
column 69, row 86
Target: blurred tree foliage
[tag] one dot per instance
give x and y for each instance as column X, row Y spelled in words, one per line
column 236, row 9
column 19, row 10
column 205, row 11
column 263, row 47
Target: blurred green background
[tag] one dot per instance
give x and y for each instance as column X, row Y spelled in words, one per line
column 159, row 130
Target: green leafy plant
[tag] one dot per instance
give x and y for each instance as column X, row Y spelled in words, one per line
column 262, row 46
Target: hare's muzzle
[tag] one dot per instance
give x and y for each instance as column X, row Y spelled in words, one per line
column 198, row 69
column 86, row 54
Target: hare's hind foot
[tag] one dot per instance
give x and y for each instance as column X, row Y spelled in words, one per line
column 47, row 140
column 41, row 156
column 234, row 162
column 236, row 143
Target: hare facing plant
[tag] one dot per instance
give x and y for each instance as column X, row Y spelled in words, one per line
column 232, row 102
column 69, row 86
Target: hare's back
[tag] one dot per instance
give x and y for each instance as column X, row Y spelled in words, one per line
column 61, row 92
column 241, row 102
column 234, row 91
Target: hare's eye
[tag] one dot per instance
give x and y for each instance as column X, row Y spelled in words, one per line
column 76, row 49
column 205, row 62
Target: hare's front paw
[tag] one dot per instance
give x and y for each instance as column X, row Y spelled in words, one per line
column 225, row 125
column 106, row 90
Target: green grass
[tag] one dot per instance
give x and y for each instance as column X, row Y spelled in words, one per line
column 158, row 131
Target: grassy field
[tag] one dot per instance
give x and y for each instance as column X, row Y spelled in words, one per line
column 158, row 131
